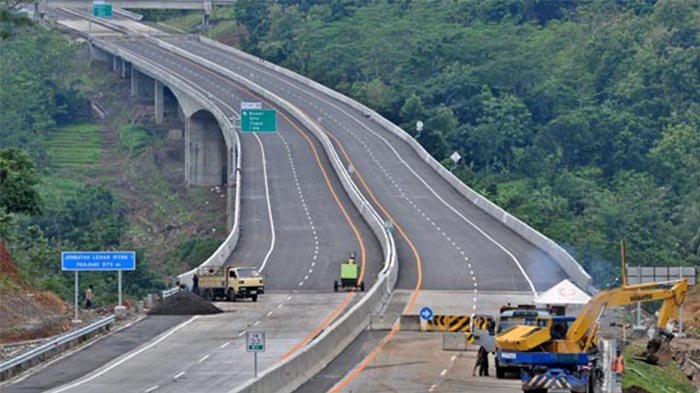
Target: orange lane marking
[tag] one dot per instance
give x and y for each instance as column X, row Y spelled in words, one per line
column 355, row 231
column 414, row 295
column 414, row 250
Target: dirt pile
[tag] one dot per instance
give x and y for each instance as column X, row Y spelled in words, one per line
column 686, row 353
column 26, row 313
column 691, row 309
column 8, row 269
column 184, row 303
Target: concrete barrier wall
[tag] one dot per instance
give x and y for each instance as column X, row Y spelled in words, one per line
column 572, row 268
column 308, row 361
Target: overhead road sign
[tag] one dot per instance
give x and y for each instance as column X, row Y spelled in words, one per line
column 101, row 9
column 258, row 120
column 98, row 260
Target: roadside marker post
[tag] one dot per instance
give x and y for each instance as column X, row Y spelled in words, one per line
column 78, row 261
column 255, row 343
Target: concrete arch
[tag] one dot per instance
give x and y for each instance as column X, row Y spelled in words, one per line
column 207, row 161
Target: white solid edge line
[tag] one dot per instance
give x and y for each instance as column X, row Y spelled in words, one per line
column 269, row 205
column 125, row 358
column 444, row 202
column 322, row 96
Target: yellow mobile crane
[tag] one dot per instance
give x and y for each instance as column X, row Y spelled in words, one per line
column 561, row 352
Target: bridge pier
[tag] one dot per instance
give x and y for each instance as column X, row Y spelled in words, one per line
column 124, row 65
column 205, row 151
column 141, row 85
column 158, row 101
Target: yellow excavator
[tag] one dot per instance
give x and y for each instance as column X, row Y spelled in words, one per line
column 561, row 352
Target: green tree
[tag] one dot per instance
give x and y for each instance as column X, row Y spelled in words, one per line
column 18, row 194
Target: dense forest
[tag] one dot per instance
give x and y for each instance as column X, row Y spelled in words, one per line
column 581, row 118
column 42, row 87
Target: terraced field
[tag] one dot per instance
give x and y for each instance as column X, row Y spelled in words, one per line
column 75, row 146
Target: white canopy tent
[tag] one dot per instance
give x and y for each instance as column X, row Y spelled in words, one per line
column 563, row 294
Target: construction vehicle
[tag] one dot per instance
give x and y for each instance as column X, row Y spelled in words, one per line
column 509, row 317
column 561, row 352
column 349, row 275
column 230, row 282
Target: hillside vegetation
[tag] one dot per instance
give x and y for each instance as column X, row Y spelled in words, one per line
column 71, row 182
column 581, row 118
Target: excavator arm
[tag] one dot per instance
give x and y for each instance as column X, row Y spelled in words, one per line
column 580, row 334
column 672, row 294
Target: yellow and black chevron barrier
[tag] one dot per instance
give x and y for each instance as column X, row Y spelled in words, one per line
column 544, row 381
column 469, row 338
column 457, row 323
column 482, row 322
column 449, row 323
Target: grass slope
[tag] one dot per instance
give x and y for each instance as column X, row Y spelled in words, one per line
column 654, row 379
column 74, row 146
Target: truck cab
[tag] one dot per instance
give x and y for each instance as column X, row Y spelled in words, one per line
column 231, row 282
column 513, row 317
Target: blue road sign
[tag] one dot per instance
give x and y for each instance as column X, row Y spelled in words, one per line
column 96, row 261
column 426, row 313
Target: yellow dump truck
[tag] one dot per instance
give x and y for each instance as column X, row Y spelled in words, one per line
column 231, row 282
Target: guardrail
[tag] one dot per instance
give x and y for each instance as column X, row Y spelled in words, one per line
column 169, row 292
column 572, row 268
column 52, row 347
column 308, row 361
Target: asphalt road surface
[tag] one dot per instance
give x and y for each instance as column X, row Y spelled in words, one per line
column 312, row 234
column 460, row 247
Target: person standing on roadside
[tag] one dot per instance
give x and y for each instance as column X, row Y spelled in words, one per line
column 477, row 364
column 88, row 298
column 195, row 284
column 618, row 365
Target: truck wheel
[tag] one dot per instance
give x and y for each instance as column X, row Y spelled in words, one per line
column 209, row 295
column 335, row 286
column 255, row 298
column 362, row 286
column 230, row 295
column 500, row 372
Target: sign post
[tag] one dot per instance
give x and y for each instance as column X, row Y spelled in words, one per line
column 255, row 343
column 77, row 261
column 75, row 317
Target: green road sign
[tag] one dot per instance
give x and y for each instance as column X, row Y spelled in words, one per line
column 258, row 120
column 103, row 10
column 255, row 341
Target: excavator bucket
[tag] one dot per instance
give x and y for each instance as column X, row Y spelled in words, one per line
column 658, row 350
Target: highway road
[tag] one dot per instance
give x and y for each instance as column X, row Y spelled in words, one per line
column 292, row 190
column 444, row 242
column 460, row 246
column 297, row 225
